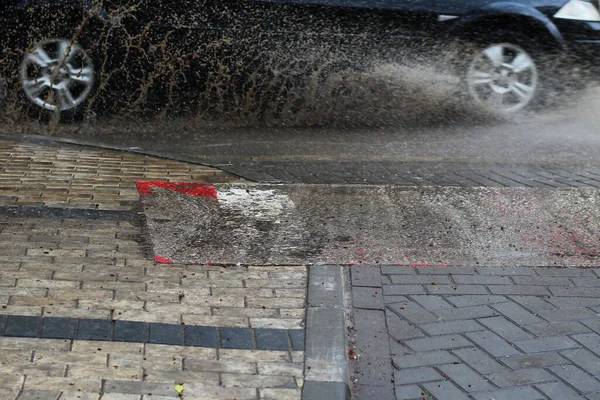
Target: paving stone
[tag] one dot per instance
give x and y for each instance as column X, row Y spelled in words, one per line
column 130, row 331
column 236, row 338
column 165, row 334
column 541, row 280
column 517, row 313
column 438, row 343
column 394, row 290
column 367, row 297
column 94, row 329
column 457, row 289
column 446, row 270
column 533, row 304
column 271, row 339
column 466, row 378
column 398, row 270
column 22, row 326
column 585, row 359
column 520, row 289
column 422, row 359
column 416, row 375
column 575, row 291
column 567, row 314
column 577, row 378
column 59, row 328
column 589, row 340
column 420, row 280
column 375, row 392
column 445, row 390
column 201, row 336
column 444, row 328
column 523, row 392
column 553, row 271
column 297, row 337
column 369, row 319
column 475, row 300
column 557, row 329
column 546, row 344
column 366, row 276
column 586, row 281
column 408, row 392
column 388, row 300
column 520, row 377
column 400, row 329
column 431, row 303
column 558, row 390
column 373, row 366
column 413, row 313
column 465, row 313
column 481, row 280
column 505, row 329
column 479, row 360
column 493, row 344
column 541, row 360
column 505, row 271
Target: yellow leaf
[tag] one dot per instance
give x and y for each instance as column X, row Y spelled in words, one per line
column 179, row 389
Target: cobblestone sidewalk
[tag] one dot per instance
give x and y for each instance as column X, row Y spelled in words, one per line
column 476, row 333
column 85, row 313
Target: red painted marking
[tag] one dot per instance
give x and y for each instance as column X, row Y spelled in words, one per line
column 191, row 188
column 163, row 260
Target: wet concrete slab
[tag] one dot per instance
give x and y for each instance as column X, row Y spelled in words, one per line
column 313, row 224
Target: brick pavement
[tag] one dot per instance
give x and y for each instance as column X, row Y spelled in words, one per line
column 476, row 333
column 87, row 314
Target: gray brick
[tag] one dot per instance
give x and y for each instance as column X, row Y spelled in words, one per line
column 446, row 270
column 479, row 360
column 373, row 365
column 395, row 299
column 594, row 396
column 589, row 340
column 271, row 339
column 493, row 344
column 423, row 359
column 587, row 360
column 403, row 290
column 520, row 377
column 466, row 313
column 369, row 320
column 400, row 270
column 567, row 314
column 23, row 326
column 445, row 390
column 587, row 281
column 366, row 276
column 457, row 289
column 420, row 279
column 432, row 302
column 59, row 328
column 166, row 334
column 558, row 390
column 577, row 378
column 236, row 338
column 375, row 392
column 541, row 280
column 519, row 289
column 438, row 343
column 553, row 271
column 409, row 392
column 201, row 336
column 541, row 360
column 400, row 329
column 546, row 344
column 593, row 324
column 524, row 392
column 505, row 328
column 444, row 328
column 517, row 313
column 94, row 329
column 505, row 271
column 297, row 336
column 475, row 300
column 414, row 313
column 416, row 375
column 481, row 280
column 131, row 331
column 557, row 329
column 533, row 304
column 367, row 297
column 465, row 377
column 575, row 291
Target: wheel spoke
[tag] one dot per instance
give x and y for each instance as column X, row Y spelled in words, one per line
column 65, row 51
column 495, row 54
column 496, row 100
column 521, row 62
column 39, row 57
column 35, row 86
column 522, row 90
column 83, row 75
column 67, row 99
column 481, row 78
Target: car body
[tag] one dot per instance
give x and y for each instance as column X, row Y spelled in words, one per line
column 386, row 29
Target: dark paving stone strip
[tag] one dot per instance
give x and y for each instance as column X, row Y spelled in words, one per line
column 157, row 333
column 70, row 213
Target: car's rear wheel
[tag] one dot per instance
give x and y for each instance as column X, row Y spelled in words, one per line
column 57, row 77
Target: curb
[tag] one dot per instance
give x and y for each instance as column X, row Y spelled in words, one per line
column 325, row 357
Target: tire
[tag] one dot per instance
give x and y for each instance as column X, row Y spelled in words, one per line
column 505, row 73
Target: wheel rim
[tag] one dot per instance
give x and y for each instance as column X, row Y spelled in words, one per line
column 503, row 78
column 57, row 75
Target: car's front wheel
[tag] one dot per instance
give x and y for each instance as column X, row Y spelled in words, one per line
column 57, row 76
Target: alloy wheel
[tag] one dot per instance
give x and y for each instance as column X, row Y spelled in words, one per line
column 57, row 75
column 503, row 78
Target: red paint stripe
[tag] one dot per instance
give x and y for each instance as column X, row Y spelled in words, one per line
column 163, row 260
column 191, row 188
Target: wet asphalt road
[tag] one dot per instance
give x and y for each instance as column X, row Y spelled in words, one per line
column 528, row 150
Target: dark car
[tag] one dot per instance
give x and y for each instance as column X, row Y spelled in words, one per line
column 64, row 55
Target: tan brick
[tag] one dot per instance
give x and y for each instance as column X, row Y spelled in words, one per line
column 109, row 304
column 103, row 372
column 166, row 363
column 288, row 275
column 164, row 286
column 159, row 350
column 20, row 356
column 127, row 286
column 18, row 291
column 45, row 283
column 46, row 266
column 292, row 313
column 88, row 295
column 207, row 378
column 193, row 364
column 206, row 283
column 32, row 344
column 11, row 381
column 92, row 347
column 84, row 276
column 278, row 302
column 56, row 253
column 200, row 392
column 254, row 355
column 146, row 296
column 82, row 396
column 237, row 274
column 223, row 291
column 244, row 312
column 40, row 370
column 288, row 268
column 300, row 293
column 291, row 369
column 153, row 306
column 26, row 274
column 120, row 396
column 255, row 381
column 298, row 356
column 76, row 313
column 214, row 301
column 275, row 283
column 39, row 301
column 70, row 358
column 164, row 317
column 280, row 394
column 277, row 323
column 35, row 311
column 60, row 384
